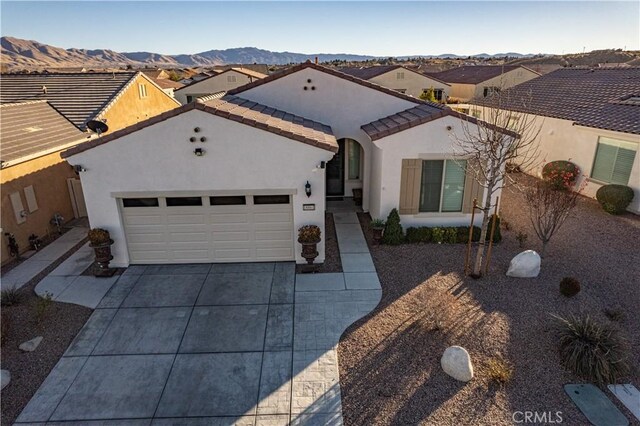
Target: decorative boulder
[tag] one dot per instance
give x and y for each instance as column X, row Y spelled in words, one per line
column 30, row 345
column 525, row 265
column 456, row 362
column 5, row 378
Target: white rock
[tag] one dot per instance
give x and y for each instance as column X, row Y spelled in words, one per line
column 30, row 345
column 525, row 265
column 5, row 378
column 456, row 362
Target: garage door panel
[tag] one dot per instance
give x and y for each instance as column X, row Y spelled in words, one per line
column 219, row 233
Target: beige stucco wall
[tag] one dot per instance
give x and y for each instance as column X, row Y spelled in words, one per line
column 506, row 80
column 48, row 175
column 413, row 82
column 215, row 84
column 463, row 92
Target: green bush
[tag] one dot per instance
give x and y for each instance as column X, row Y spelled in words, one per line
column 11, row 296
column 569, row 286
column 419, row 235
column 592, row 350
column 437, row 234
column 497, row 235
column 393, row 230
column 560, row 174
column 614, row 199
column 450, row 235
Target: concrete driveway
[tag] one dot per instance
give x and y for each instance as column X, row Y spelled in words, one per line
column 206, row 345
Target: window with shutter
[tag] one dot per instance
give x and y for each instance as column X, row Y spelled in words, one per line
column 613, row 161
column 442, row 186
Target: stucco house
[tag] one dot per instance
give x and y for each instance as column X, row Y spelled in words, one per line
column 220, row 82
column 43, row 114
column 590, row 116
column 231, row 179
column 475, row 81
column 401, row 79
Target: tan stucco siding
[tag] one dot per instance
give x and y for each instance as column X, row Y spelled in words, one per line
column 218, row 83
column 463, row 92
column 130, row 108
column 48, row 176
column 506, row 80
column 413, row 83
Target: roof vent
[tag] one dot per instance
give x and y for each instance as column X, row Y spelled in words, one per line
column 44, row 90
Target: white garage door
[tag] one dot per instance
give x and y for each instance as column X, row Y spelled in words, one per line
column 230, row 228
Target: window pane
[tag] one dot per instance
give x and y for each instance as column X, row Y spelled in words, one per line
column 354, row 160
column 271, row 199
column 623, row 166
column 184, row 201
column 431, row 185
column 453, row 189
column 140, row 202
column 233, row 200
column 604, row 162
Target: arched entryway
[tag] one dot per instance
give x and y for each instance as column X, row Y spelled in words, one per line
column 345, row 170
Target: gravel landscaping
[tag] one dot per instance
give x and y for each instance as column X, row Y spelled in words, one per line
column 390, row 360
column 59, row 324
column 332, row 261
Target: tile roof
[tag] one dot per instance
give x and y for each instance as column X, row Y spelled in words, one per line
column 245, row 71
column 77, row 96
column 473, row 74
column 242, row 111
column 367, row 73
column 207, row 98
column 331, row 71
column 165, row 83
column 596, row 97
column 32, row 129
column 250, row 73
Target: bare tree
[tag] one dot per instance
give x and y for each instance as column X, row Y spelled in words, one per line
column 499, row 137
column 549, row 208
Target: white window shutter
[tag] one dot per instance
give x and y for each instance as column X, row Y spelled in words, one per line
column 18, row 208
column 30, row 195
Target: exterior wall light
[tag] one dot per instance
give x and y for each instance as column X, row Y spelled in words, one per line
column 199, row 152
column 307, row 189
column 78, row 168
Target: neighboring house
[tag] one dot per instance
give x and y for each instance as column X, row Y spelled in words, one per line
column 477, row 81
column 155, row 74
column 588, row 116
column 224, row 81
column 168, row 86
column 36, row 182
column 118, row 99
column 227, row 180
column 401, row 79
column 259, row 68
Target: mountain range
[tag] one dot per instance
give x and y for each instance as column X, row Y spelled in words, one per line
column 17, row 53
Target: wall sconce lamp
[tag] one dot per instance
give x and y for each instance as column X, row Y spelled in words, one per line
column 307, row 189
column 78, row 168
column 199, row 152
column 323, row 164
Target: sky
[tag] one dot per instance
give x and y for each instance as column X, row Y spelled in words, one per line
column 374, row 28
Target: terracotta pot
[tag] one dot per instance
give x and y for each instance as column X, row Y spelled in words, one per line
column 377, row 234
column 103, row 255
column 309, row 251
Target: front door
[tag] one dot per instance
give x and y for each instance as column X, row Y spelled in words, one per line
column 335, row 172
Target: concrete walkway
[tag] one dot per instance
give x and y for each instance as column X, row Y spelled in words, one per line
column 31, row 267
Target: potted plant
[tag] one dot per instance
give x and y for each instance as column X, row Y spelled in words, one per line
column 309, row 237
column 378, row 226
column 100, row 241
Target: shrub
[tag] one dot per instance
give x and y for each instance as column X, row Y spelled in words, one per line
column 463, row 234
column 592, row 350
column 10, row 296
column 309, row 234
column 497, row 235
column 377, row 224
column 98, row 236
column 419, row 235
column 450, row 235
column 499, row 370
column 392, row 229
column 437, row 235
column 614, row 199
column 560, row 174
column 569, row 286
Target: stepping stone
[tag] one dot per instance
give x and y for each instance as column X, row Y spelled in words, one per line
column 595, row 405
column 629, row 396
column 5, row 378
column 30, row 345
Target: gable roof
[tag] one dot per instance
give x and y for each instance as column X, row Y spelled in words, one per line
column 591, row 97
column 33, row 129
column 367, row 73
column 474, row 74
column 247, row 72
column 242, row 111
column 330, row 71
column 77, row 96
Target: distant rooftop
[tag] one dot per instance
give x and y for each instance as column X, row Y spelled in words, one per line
column 473, row 74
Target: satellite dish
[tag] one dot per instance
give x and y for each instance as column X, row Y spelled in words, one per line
column 97, row 126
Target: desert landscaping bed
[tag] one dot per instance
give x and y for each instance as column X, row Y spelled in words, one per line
column 390, row 369
column 58, row 323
